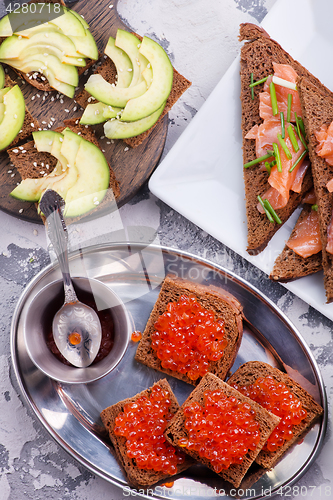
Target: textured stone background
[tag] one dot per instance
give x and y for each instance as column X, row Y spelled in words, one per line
column 201, row 39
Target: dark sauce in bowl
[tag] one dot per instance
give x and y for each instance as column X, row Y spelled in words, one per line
column 105, row 318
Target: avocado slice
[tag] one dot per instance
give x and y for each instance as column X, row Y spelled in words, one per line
column 116, row 129
column 50, row 141
column 49, row 50
column 2, row 111
column 13, row 117
column 92, row 183
column 32, row 189
column 122, row 63
column 81, row 19
column 160, row 87
column 130, row 44
column 62, row 72
column 105, row 92
column 70, row 146
column 2, row 77
column 3, row 92
column 98, row 112
column 85, row 45
column 12, row 47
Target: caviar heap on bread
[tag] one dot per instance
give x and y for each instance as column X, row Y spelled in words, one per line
column 136, row 428
column 49, row 50
column 221, row 428
column 193, row 329
column 282, row 396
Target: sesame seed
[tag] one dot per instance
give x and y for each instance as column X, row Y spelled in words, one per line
column 12, row 175
column 126, row 149
column 21, row 147
column 15, row 150
column 67, row 110
column 32, row 124
column 9, row 171
column 35, row 164
column 21, row 210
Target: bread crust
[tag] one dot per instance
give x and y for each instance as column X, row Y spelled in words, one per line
column 266, row 420
column 257, row 57
column 317, row 107
column 222, row 303
column 247, row 374
column 137, row 477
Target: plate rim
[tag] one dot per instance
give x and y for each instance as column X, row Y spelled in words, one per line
column 201, row 260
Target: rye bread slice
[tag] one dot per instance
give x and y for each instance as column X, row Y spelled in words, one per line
column 108, row 71
column 30, row 124
column 138, row 477
column 267, row 421
column 33, row 164
column 224, row 306
column 37, row 80
column 317, row 107
column 248, row 373
column 257, row 56
column 289, row 265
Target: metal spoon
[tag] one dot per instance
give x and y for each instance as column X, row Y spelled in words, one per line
column 76, row 327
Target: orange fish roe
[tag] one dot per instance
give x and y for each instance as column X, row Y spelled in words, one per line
column 222, row 431
column 187, row 338
column 142, row 423
column 136, row 336
column 276, row 398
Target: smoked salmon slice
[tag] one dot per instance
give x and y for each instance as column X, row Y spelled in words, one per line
column 306, row 238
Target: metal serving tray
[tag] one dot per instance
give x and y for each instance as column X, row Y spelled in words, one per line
column 135, row 271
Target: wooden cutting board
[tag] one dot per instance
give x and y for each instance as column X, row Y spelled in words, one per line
column 132, row 167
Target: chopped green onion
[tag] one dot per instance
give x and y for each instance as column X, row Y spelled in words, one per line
column 272, row 163
column 252, row 91
column 268, row 166
column 301, row 126
column 299, row 131
column 290, row 101
column 272, row 211
column 314, row 207
column 300, row 158
column 259, row 160
column 283, row 128
column 292, row 137
column 284, row 147
column 277, row 157
column 274, row 103
column 253, row 84
column 267, row 212
column 284, row 83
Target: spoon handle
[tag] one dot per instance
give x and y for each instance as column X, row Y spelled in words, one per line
column 51, row 205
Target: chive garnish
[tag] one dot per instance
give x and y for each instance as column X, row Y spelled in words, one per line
column 301, row 126
column 277, row 157
column 292, row 137
column 253, row 84
column 283, row 128
column 284, row 147
column 268, row 166
column 274, row 103
column 252, row 91
column 259, row 160
column 272, row 211
column 267, row 212
column 299, row 131
column 290, row 101
column 298, row 160
column 314, row 207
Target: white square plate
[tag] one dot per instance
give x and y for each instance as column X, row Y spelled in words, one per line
column 202, row 178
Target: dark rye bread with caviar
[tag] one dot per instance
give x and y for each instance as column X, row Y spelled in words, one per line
column 30, row 124
column 138, row 477
column 257, row 56
column 267, row 421
column 31, row 163
column 108, row 71
column 317, row 107
column 224, row 306
column 247, row 374
column 289, row 265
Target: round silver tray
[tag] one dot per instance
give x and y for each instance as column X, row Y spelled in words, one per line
column 71, row 412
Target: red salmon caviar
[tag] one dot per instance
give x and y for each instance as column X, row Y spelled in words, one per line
column 136, row 336
column 187, row 338
column 276, row 398
column 222, row 431
column 142, row 423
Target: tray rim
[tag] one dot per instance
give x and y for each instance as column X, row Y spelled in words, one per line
column 201, row 260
